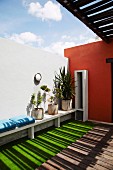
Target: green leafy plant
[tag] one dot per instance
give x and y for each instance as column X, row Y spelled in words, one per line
column 46, row 91
column 52, row 98
column 36, row 100
column 64, row 84
column 32, row 101
column 39, row 99
column 45, row 88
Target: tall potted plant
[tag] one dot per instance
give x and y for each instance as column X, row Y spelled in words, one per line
column 65, row 83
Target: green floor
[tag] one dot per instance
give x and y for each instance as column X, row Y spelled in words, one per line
column 27, row 154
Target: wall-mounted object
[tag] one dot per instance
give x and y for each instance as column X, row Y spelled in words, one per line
column 81, row 94
column 37, row 78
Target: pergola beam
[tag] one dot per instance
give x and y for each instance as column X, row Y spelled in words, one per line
column 93, row 14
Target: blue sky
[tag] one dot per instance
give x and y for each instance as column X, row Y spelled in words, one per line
column 43, row 24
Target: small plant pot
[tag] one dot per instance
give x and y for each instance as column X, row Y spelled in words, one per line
column 66, row 105
column 53, row 109
column 38, row 113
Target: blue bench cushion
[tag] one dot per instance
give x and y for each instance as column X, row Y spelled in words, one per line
column 6, row 125
column 22, row 120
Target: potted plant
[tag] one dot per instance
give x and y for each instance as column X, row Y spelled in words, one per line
column 64, row 81
column 53, row 106
column 58, row 94
column 37, row 112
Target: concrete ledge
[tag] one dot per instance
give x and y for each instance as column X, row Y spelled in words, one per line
column 29, row 130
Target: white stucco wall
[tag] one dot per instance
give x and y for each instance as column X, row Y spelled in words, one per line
column 18, row 65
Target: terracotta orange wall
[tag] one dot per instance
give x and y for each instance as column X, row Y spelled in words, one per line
column 92, row 57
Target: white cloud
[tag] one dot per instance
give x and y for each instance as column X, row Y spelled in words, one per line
column 26, row 38
column 68, row 38
column 50, row 11
column 68, row 42
column 92, row 39
column 58, row 47
column 26, row 3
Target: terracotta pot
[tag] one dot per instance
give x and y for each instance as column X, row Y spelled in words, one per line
column 38, row 113
column 53, row 109
column 67, row 104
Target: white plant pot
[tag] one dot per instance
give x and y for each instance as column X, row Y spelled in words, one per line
column 53, row 109
column 38, row 113
column 67, row 104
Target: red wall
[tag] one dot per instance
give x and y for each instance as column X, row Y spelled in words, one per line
column 92, row 57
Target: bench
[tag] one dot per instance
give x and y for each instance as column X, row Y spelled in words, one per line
column 47, row 118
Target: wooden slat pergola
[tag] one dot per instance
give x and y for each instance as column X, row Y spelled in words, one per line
column 95, row 14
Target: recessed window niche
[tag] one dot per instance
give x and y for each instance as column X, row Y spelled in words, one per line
column 81, row 94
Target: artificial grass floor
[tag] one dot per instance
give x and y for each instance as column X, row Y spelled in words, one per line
column 27, row 154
